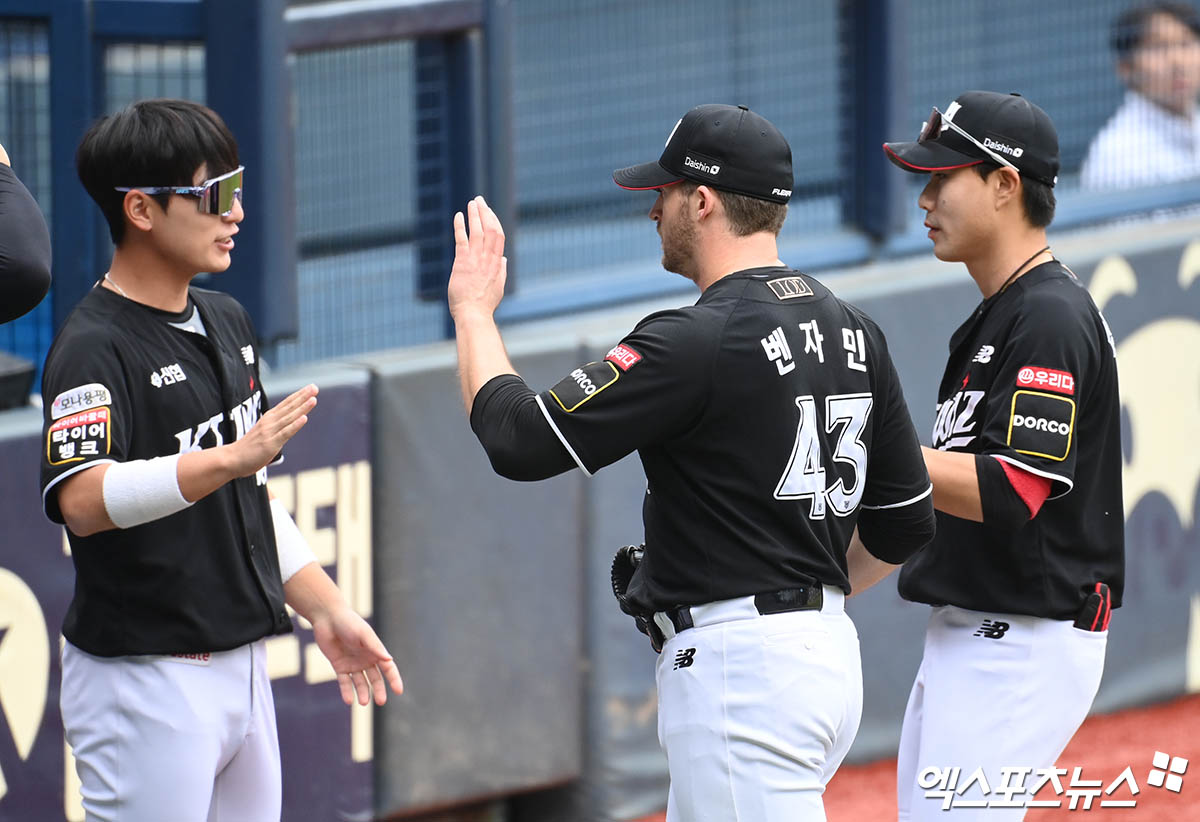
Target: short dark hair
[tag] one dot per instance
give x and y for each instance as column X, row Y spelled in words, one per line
column 1036, row 197
column 151, row 143
column 747, row 215
column 1129, row 29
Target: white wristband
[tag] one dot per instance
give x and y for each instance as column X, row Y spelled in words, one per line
column 293, row 549
column 142, row 491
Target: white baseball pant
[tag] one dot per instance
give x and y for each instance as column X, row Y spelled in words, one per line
column 993, row 699
column 161, row 738
column 757, row 712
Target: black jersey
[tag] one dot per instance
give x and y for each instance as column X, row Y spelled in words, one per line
column 1032, row 380
column 122, row 384
column 766, row 416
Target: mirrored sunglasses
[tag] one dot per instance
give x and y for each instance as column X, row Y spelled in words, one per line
column 213, row 196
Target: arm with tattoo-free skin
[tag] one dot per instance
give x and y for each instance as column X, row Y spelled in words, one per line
column 955, row 483
column 475, row 290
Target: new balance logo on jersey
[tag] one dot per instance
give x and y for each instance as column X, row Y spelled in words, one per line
column 985, row 354
column 992, row 629
column 167, row 375
column 955, row 425
column 248, row 354
column 684, row 658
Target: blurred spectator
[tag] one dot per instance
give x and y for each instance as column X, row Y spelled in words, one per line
column 1154, row 137
column 24, row 247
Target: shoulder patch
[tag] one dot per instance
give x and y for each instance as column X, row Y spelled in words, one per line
column 789, row 288
column 584, row 383
column 1041, row 425
column 1047, row 379
column 80, row 437
column 624, row 356
column 81, row 398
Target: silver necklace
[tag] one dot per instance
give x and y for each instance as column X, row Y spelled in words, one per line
column 120, row 290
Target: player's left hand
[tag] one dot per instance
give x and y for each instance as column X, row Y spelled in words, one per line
column 363, row 666
column 480, row 267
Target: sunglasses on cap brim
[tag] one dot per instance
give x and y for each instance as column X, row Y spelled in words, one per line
column 937, row 123
column 213, row 196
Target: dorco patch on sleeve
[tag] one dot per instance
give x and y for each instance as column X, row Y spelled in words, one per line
column 1041, row 425
column 624, row 356
column 584, row 383
column 80, row 437
column 1047, row 379
column 92, row 395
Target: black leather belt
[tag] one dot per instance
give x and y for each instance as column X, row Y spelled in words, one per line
column 802, row 598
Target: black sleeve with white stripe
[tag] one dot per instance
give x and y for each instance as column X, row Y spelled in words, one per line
column 517, row 437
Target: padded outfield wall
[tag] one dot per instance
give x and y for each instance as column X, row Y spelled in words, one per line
column 493, row 596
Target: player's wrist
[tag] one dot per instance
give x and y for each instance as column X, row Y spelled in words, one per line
column 469, row 313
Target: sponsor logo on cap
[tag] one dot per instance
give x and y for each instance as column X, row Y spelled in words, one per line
column 782, row 192
column 699, row 165
column 1003, row 148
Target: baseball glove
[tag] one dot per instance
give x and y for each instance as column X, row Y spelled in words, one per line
column 624, row 564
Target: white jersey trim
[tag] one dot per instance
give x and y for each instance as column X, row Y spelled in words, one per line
column 1046, row 474
column 559, row 434
column 917, row 498
column 66, row 474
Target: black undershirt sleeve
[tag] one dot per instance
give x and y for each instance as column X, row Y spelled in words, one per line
column 895, row 534
column 24, row 249
column 515, row 434
column 1003, row 507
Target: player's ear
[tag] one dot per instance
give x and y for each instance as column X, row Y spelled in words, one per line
column 140, row 210
column 706, row 203
column 1006, row 186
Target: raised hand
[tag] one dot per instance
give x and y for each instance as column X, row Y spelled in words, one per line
column 480, row 267
column 274, row 428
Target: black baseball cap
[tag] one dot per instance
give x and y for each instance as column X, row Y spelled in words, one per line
column 1006, row 124
column 726, row 147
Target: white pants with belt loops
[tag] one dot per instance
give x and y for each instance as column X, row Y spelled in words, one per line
column 756, row 712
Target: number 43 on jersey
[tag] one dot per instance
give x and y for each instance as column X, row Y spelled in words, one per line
column 804, row 477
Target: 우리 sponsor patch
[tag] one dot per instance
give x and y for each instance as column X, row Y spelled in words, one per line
column 1047, row 379
column 81, row 398
column 584, row 383
column 1041, row 425
column 80, row 437
column 624, row 356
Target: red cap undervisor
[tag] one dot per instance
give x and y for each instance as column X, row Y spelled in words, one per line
column 928, row 156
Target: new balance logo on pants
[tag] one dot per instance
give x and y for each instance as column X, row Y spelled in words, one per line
column 684, row 658
column 992, row 629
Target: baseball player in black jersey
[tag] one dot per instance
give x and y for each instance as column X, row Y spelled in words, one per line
column 1028, row 561
column 24, row 246
column 158, row 434
column 770, row 423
